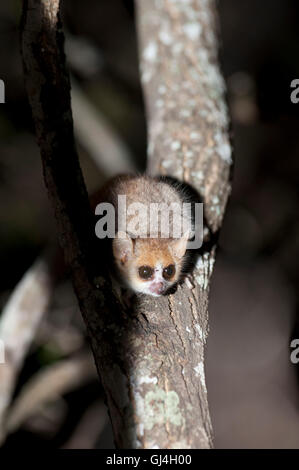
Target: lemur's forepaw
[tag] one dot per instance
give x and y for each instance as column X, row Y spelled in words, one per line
column 189, row 281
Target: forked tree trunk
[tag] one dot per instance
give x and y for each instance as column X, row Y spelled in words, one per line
column 151, row 359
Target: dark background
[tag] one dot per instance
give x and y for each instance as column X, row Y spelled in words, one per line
column 252, row 385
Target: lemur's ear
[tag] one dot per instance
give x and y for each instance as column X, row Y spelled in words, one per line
column 122, row 247
column 178, row 246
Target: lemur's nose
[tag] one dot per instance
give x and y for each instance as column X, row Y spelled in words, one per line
column 157, row 287
column 160, row 287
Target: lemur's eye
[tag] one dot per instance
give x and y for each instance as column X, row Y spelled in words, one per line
column 145, row 272
column 169, row 271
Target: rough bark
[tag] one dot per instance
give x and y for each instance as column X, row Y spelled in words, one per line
column 151, row 359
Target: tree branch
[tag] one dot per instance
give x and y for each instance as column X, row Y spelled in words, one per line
column 19, row 321
column 49, row 384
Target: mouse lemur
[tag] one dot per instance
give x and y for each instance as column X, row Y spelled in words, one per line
column 147, row 257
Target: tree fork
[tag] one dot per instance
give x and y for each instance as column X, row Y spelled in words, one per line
column 150, row 359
